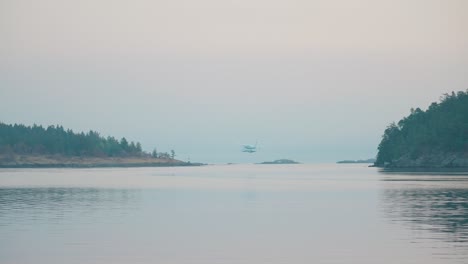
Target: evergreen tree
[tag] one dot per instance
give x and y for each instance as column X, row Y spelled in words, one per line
column 37, row 140
column 442, row 128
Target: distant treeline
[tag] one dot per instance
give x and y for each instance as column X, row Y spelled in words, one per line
column 442, row 128
column 356, row 161
column 37, row 140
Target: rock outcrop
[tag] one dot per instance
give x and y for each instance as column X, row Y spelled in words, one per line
column 433, row 160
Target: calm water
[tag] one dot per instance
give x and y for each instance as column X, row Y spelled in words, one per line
column 232, row 214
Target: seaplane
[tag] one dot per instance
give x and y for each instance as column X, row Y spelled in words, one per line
column 249, row 148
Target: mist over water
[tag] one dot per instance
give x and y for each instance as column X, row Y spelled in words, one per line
column 232, row 214
column 311, row 80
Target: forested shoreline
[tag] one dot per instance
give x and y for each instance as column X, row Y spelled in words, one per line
column 437, row 137
column 53, row 146
column 21, row 139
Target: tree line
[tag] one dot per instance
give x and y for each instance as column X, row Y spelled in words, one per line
column 442, row 128
column 38, row 140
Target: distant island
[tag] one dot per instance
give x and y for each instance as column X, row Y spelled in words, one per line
column 435, row 138
column 280, row 161
column 356, row 161
column 38, row 147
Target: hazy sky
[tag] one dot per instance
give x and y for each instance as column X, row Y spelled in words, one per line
column 314, row 81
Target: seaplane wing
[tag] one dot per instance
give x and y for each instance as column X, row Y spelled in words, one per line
column 249, row 148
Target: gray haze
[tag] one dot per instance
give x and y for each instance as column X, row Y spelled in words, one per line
column 314, row 81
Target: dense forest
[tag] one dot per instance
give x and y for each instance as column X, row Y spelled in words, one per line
column 37, row 140
column 440, row 130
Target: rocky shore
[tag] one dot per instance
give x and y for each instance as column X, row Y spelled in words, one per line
column 58, row 161
column 432, row 160
column 280, row 161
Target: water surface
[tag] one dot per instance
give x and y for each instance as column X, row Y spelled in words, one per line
column 345, row 213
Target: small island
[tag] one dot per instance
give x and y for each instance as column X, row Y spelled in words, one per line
column 54, row 147
column 436, row 138
column 356, row 161
column 280, row 161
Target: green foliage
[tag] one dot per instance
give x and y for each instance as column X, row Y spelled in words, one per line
column 443, row 127
column 164, row 155
column 21, row 139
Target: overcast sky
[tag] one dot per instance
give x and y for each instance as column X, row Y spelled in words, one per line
column 315, row 81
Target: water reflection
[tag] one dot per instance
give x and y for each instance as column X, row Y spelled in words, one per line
column 434, row 203
column 216, row 214
column 19, row 205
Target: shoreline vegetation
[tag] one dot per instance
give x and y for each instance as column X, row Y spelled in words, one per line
column 54, row 147
column 433, row 139
column 83, row 162
column 56, row 161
